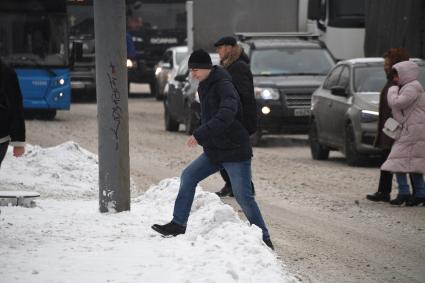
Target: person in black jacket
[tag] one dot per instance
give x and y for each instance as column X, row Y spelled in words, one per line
column 236, row 62
column 12, row 123
column 225, row 142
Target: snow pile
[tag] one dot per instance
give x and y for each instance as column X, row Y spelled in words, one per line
column 65, row 239
column 66, row 170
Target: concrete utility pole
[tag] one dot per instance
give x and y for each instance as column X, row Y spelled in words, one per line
column 112, row 105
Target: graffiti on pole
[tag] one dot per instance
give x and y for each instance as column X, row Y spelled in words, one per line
column 116, row 98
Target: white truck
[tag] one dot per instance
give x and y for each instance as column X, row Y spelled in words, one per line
column 339, row 23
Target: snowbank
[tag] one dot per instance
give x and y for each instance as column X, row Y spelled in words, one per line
column 66, row 239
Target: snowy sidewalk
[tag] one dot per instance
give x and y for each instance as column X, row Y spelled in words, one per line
column 66, row 239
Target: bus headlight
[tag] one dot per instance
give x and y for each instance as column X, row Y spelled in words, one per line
column 60, row 81
column 58, row 96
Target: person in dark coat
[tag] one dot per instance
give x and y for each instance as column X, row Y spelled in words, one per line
column 12, row 123
column 236, row 62
column 382, row 141
column 225, row 143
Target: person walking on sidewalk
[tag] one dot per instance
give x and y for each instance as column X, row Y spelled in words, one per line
column 407, row 101
column 236, row 62
column 12, row 122
column 391, row 57
column 225, row 143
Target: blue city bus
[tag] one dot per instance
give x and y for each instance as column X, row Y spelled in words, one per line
column 34, row 41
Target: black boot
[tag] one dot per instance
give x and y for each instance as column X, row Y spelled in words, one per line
column 379, row 196
column 400, row 199
column 226, row 191
column 269, row 243
column 414, row 201
column 169, row 229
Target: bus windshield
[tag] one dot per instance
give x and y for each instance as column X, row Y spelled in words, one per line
column 33, row 38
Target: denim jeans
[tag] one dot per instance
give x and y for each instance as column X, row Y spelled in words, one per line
column 240, row 178
column 418, row 184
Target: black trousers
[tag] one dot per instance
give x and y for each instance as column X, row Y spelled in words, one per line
column 3, row 150
column 226, row 179
column 385, row 182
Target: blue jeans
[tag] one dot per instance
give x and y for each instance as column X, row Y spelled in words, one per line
column 418, row 184
column 240, row 179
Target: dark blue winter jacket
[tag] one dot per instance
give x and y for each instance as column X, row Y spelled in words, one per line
column 221, row 133
column 12, row 123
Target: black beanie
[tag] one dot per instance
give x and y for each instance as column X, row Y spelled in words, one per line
column 200, row 59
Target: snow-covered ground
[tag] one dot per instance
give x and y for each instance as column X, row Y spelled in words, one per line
column 65, row 238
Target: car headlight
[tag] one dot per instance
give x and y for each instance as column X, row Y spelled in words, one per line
column 157, row 71
column 368, row 116
column 266, row 93
column 130, row 63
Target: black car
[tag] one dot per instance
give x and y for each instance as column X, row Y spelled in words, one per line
column 181, row 103
column 287, row 68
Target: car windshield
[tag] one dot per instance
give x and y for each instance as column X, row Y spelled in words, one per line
column 290, row 61
column 373, row 78
column 369, row 78
column 180, row 56
column 33, row 39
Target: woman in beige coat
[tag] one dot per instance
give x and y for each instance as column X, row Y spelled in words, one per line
column 407, row 102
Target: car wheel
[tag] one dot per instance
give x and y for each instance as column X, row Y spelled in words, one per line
column 190, row 121
column 171, row 125
column 318, row 150
column 153, row 88
column 255, row 138
column 159, row 96
column 353, row 157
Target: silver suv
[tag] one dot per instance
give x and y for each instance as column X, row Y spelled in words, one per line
column 344, row 109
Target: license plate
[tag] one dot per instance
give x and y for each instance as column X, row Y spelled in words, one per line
column 302, row 112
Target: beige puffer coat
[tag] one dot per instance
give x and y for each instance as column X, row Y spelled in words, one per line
column 408, row 152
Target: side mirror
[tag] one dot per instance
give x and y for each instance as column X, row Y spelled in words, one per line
column 339, row 91
column 180, row 78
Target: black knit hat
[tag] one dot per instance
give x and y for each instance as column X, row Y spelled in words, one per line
column 200, row 59
column 227, row 40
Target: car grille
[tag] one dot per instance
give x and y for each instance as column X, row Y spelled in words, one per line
column 297, row 99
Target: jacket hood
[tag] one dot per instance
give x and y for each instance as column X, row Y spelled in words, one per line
column 236, row 54
column 407, row 71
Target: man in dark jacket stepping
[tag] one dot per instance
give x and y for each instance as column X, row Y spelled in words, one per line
column 225, row 142
column 236, row 62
